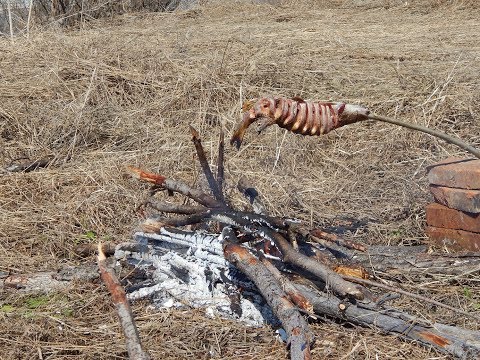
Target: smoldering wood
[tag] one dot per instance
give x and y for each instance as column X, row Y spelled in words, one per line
column 317, row 261
column 366, row 313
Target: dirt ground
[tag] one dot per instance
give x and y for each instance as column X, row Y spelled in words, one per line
column 122, row 91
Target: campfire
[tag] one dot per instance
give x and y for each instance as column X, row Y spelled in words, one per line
column 257, row 268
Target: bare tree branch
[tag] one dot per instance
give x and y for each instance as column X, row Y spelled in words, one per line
column 132, row 339
column 176, row 186
column 300, row 335
column 451, row 339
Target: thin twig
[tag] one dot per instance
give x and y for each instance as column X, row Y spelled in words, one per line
column 30, row 7
column 155, row 224
column 221, row 160
column 433, row 132
column 174, row 208
column 317, row 233
column 30, row 165
column 9, row 10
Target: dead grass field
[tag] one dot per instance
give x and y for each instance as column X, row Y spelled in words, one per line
column 123, row 91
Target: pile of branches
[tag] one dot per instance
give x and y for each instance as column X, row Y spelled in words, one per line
column 306, row 273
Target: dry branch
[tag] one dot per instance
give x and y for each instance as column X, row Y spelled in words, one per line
column 319, row 234
column 176, row 186
column 295, row 296
column 412, row 260
column 212, row 182
column 49, row 281
column 221, row 160
column 132, row 339
column 299, row 334
column 333, row 280
column 407, row 293
column 457, row 341
column 27, row 166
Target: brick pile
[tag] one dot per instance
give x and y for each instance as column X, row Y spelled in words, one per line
column 453, row 219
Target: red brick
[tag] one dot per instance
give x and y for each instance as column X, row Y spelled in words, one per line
column 454, row 239
column 460, row 199
column 456, row 173
column 444, row 217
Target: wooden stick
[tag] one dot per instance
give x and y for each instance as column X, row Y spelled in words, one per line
column 174, row 208
column 317, row 233
column 205, row 166
column 297, row 329
column 30, row 165
column 176, row 186
column 252, row 196
column 409, row 294
column 451, row 339
column 132, row 339
column 332, row 279
column 295, row 296
column 155, row 224
column 221, row 160
column 433, row 132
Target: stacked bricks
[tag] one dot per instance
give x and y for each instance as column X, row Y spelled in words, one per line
column 454, row 219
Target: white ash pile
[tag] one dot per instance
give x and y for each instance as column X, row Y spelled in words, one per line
column 179, row 268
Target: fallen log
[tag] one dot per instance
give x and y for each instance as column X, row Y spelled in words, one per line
column 462, row 343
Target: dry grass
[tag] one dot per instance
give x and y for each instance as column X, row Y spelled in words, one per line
column 123, row 91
